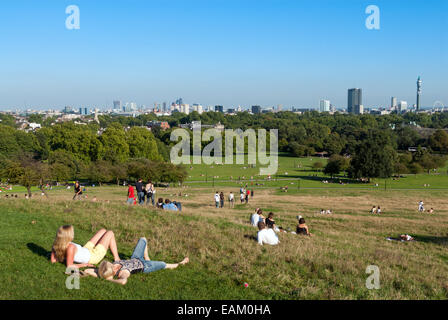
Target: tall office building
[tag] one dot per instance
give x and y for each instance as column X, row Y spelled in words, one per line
column 83, row 111
column 256, row 109
column 402, row 106
column 419, row 91
column 324, row 106
column 185, row 108
column 219, row 109
column 354, row 103
column 117, row 104
column 393, row 103
column 164, row 107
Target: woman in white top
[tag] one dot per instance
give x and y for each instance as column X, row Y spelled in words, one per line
column 78, row 256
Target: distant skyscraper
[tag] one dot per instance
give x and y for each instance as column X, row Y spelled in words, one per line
column 219, row 109
column 419, row 91
column 324, row 106
column 256, row 109
column 117, row 104
column 402, row 106
column 354, row 103
column 164, row 107
column 83, row 111
column 393, row 103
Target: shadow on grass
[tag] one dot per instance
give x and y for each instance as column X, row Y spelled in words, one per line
column 250, row 237
column 441, row 240
column 39, row 250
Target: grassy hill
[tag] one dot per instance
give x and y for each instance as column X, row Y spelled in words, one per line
column 222, row 251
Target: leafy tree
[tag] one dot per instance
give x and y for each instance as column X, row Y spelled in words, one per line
column 439, row 141
column 318, row 165
column 100, row 171
column 116, row 149
column 335, row 165
column 26, row 172
column 375, row 157
column 142, row 144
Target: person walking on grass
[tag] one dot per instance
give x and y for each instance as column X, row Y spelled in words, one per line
column 120, row 271
column 217, row 199
column 242, row 197
column 78, row 191
column 221, row 199
column 140, row 193
column 131, row 195
column 74, row 255
column 246, row 196
column 420, row 206
column 150, row 193
column 231, row 200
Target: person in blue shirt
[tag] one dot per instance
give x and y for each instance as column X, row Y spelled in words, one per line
column 169, row 205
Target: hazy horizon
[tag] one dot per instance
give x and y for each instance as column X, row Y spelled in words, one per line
column 230, row 53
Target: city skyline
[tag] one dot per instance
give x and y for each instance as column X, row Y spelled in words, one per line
column 293, row 53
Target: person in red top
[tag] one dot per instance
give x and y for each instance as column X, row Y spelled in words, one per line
column 131, row 195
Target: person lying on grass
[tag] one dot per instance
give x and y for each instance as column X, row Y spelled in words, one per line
column 90, row 254
column 406, row 237
column 139, row 262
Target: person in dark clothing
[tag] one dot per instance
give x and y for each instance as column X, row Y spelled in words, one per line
column 78, row 191
column 302, row 228
column 221, row 200
column 140, row 193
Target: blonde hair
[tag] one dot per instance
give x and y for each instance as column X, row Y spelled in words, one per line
column 106, row 270
column 64, row 236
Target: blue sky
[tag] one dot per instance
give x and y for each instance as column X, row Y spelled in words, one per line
column 229, row 52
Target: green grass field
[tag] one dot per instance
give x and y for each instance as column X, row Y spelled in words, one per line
column 291, row 170
column 223, row 254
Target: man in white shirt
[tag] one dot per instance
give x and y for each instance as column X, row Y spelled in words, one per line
column 217, row 199
column 231, row 200
column 255, row 218
column 420, row 206
column 266, row 235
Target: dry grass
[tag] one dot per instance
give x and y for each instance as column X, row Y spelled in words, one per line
column 329, row 265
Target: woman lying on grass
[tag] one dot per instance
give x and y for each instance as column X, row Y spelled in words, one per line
column 76, row 256
column 139, row 262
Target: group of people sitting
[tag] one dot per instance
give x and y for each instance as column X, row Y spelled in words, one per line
column 375, row 210
column 94, row 251
column 267, row 227
column 328, row 211
column 12, row 195
column 168, row 205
